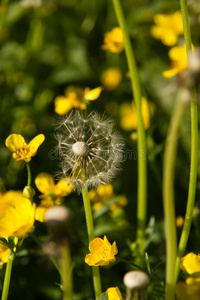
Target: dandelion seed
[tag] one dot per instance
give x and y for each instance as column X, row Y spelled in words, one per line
column 89, row 148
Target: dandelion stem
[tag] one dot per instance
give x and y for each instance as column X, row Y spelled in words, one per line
column 90, row 230
column 142, row 162
column 29, row 174
column 6, row 283
column 194, row 149
column 168, row 194
column 66, row 271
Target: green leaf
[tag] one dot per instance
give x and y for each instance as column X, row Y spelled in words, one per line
column 104, row 296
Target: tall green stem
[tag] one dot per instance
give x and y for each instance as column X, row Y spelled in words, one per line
column 6, row 283
column 29, row 174
column 194, row 149
column 90, row 230
column 142, row 161
column 66, row 270
column 168, row 195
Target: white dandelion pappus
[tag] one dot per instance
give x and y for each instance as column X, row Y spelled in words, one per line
column 90, row 150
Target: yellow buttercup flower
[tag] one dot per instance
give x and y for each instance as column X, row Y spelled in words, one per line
column 51, row 193
column 111, row 78
column 113, row 40
column 103, row 194
column 178, row 58
column 21, row 150
column 17, row 214
column 167, row 28
column 114, row 293
column 74, row 98
column 102, row 252
column 128, row 115
column 190, row 263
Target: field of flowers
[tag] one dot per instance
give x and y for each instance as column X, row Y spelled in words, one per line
column 99, row 159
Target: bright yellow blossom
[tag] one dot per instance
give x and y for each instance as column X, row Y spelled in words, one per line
column 113, row 40
column 111, row 78
column 190, row 263
column 21, row 150
column 74, row 98
column 167, row 28
column 102, row 252
column 178, row 58
column 114, row 293
column 17, row 214
column 103, row 194
column 51, row 193
column 128, row 115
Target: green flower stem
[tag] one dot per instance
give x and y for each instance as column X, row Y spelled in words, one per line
column 194, row 149
column 6, row 283
column 66, row 271
column 90, row 230
column 29, row 174
column 168, row 194
column 142, row 162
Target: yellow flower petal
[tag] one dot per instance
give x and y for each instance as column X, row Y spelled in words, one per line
column 96, row 244
column 4, row 254
column 93, row 94
column 169, row 73
column 35, row 143
column 167, row 28
column 102, row 252
column 45, row 183
column 114, row 293
column 190, row 263
column 63, row 188
column 62, row 105
column 111, row 78
column 128, row 115
column 113, row 40
column 21, row 151
column 14, row 142
column 40, row 212
column 17, row 215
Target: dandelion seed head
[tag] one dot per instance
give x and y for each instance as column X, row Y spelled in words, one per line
column 89, row 148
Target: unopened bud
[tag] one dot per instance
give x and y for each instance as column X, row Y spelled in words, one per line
column 136, row 283
column 28, row 192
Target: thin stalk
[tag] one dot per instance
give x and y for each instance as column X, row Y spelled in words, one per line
column 29, row 174
column 168, row 195
column 66, row 271
column 142, row 160
column 194, row 149
column 6, row 283
column 90, row 230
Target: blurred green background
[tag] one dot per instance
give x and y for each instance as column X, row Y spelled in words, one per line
column 47, row 46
